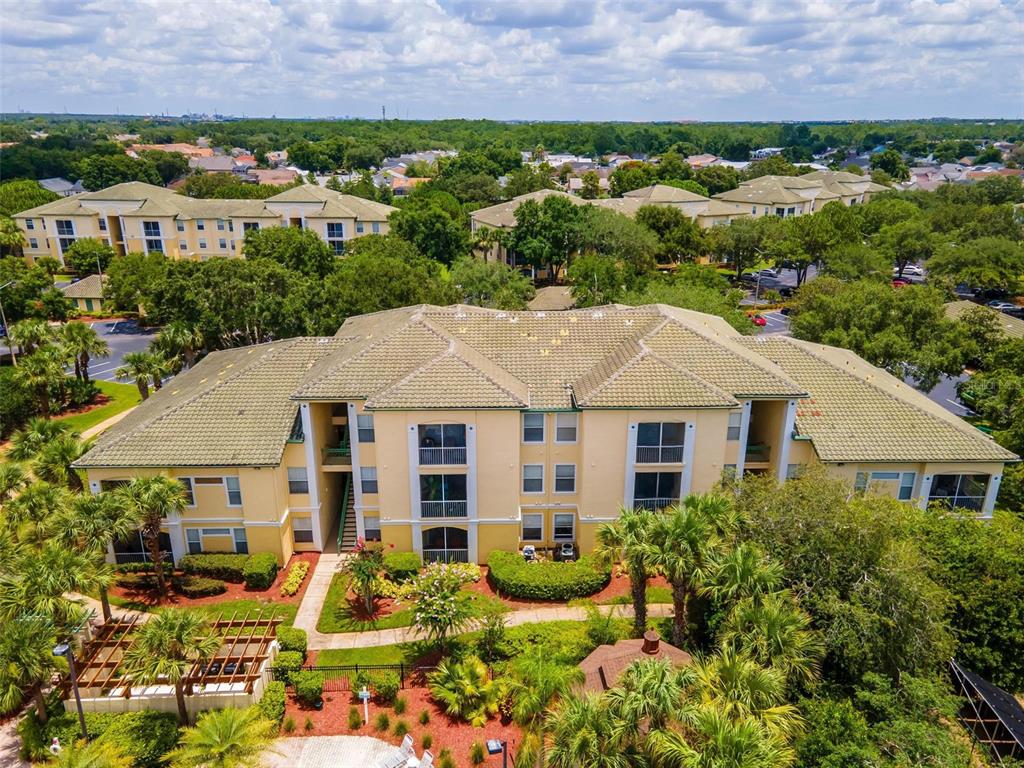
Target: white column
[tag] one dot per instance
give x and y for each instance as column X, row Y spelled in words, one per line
column 471, row 490
column 176, row 535
column 688, row 449
column 414, row 473
column 785, row 439
column 990, row 495
column 357, row 484
column 925, row 491
column 471, row 535
column 741, row 453
column 627, row 491
column 312, row 475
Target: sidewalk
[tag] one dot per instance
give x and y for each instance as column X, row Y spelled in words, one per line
column 96, row 429
column 313, row 601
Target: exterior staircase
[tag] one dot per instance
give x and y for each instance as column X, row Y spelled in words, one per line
column 347, row 529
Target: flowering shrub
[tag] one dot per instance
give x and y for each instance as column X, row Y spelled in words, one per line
column 439, row 610
column 293, row 580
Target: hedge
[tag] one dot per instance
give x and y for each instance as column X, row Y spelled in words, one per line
column 402, row 566
column 309, row 686
column 272, row 704
column 142, row 568
column 137, row 582
column 292, row 639
column 293, row 580
column 226, row 566
column 287, row 664
column 260, row 570
column 145, row 737
column 199, row 586
column 547, row 579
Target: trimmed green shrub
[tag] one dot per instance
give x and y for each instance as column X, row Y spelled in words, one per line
column 36, row 736
column 136, row 582
column 548, row 579
column 382, row 723
column 287, row 664
column 401, row 728
column 400, row 705
column 386, row 686
column 309, row 686
column 294, row 578
column 427, row 741
column 424, row 717
column 308, row 725
column 199, row 586
column 289, row 724
column 273, row 702
column 141, row 568
column 260, row 570
column 402, row 566
column 145, row 736
column 292, row 639
column 477, row 754
column 216, row 565
column 355, row 720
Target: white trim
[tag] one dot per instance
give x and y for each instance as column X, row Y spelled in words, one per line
column 357, row 490
column 925, row 491
column 471, row 489
column 991, row 492
column 522, row 480
column 539, row 514
column 554, row 484
column 227, row 491
column 786, row 439
column 627, row 492
column 576, row 427
column 689, row 441
column 544, row 428
column 177, row 536
column 741, row 451
column 415, row 509
column 554, row 525
column 309, row 444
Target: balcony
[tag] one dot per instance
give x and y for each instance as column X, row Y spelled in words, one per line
column 449, row 508
column 433, row 456
column 757, row 453
column 654, row 504
column 338, row 455
column 659, row 454
column 445, row 555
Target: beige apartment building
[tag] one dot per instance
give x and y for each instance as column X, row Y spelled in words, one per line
column 137, row 217
column 786, row 196
column 455, row 431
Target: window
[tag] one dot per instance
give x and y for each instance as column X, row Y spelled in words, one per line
column 443, row 496
column 656, row 490
column 65, row 234
column 907, row 480
column 29, row 224
column 182, row 245
column 790, row 211
column 375, row 227
column 234, row 491
column 448, row 545
column 359, row 227
column 220, row 225
column 33, row 243
column 231, row 226
column 302, row 530
column 200, row 225
column 241, row 542
column 298, row 480
column 194, row 539
column 659, row 443
column 371, row 528
column 368, row 479
column 565, row 478
column 151, row 232
column 336, row 237
column 533, row 478
column 735, row 422
column 565, row 527
column 202, row 244
column 250, row 226
column 963, row 491
column 111, row 485
column 181, row 225
column 190, row 495
column 297, row 435
column 222, row 244
column 533, row 526
column 442, row 443
column 364, row 428
column 793, row 471
column 533, row 427
column 103, row 224
column 860, row 483
column 565, row 427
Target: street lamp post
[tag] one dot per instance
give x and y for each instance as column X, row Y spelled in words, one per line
column 3, row 319
column 494, row 746
column 64, row 649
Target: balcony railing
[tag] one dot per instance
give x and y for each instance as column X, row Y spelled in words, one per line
column 445, row 555
column 758, row 452
column 654, row 504
column 659, row 454
column 451, row 508
column 139, row 557
column 453, row 455
column 338, row 454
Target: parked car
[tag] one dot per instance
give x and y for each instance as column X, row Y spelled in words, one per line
column 759, row 321
column 1003, row 306
column 567, row 552
column 768, row 273
column 785, row 311
column 911, row 269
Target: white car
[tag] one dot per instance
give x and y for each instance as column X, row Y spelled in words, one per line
column 911, row 270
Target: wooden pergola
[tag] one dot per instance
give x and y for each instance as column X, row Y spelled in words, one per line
column 245, row 646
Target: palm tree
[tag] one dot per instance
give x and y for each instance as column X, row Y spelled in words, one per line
column 623, row 541
column 683, row 544
column 12, row 241
column 53, row 462
column 160, row 367
column 82, row 341
column 26, row 663
column 95, row 754
column 137, row 366
column 150, row 500
column 42, row 371
column 32, row 515
column 224, row 738
column 774, row 631
column 647, row 696
column 180, row 339
column 166, row 648
column 30, row 334
column 28, row 441
column 42, row 578
column 12, row 480
column 712, row 740
column 581, row 732
column 538, row 682
column 744, row 572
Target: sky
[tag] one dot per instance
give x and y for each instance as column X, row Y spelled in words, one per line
column 516, row 59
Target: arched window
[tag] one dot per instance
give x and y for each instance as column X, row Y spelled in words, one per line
column 445, row 545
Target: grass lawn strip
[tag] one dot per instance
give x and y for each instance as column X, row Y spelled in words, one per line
column 122, row 397
column 341, row 614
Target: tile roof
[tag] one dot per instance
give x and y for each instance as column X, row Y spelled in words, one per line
column 231, row 409
column 663, row 193
column 764, row 193
column 86, row 288
column 859, row 413
column 1011, row 326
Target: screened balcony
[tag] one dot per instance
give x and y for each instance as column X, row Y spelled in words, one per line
column 656, row 490
column 441, row 444
column 443, row 496
column 660, row 442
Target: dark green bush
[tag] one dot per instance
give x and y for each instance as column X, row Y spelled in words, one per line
column 145, row 737
column 273, row 702
column 385, row 686
column 309, row 686
column 81, row 392
column 199, row 586
column 216, row 565
column 546, row 580
column 260, row 570
column 287, row 664
column 383, row 722
column 292, row 639
column 17, row 405
column 402, row 566
column 355, row 719
column 36, row 735
column 136, row 582
column 142, row 568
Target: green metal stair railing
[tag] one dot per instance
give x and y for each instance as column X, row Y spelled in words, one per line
column 344, row 509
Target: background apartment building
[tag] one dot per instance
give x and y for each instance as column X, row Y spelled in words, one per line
column 454, row 431
column 137, row 217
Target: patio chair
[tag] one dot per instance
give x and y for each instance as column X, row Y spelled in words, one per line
column 406, row 747
column 427, row 761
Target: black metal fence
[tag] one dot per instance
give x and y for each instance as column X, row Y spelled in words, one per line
column 341, row 678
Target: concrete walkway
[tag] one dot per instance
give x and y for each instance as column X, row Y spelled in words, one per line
column 313, row 601
column 332, row 751
column 106, row 424
column 10, row 743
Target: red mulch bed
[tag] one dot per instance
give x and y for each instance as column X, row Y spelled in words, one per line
column 618, row 586
column 234, row 591
column 100, row 401
column 454, row 735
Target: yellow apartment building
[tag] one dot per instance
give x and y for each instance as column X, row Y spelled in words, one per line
column 455, row 431
column 786, row 196
column 136, row 217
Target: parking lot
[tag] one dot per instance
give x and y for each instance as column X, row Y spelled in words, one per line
column 123, row 336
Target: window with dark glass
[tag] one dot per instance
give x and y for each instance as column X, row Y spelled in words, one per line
column 660, row 442
column 442, row 443
column 655, row 490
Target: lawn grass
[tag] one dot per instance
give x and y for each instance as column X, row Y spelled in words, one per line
column 224, row 610
column 337, row 614
column 122, row 397
column 654, row 595
column 384, row 654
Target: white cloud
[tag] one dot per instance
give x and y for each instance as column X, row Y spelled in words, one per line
column 558, row 59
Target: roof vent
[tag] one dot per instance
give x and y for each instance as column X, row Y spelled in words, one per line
column 598, row 315
column 542, row 314
column 651, row 643
column 502, row 315
column 513, row 319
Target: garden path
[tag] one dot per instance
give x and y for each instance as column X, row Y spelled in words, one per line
column 333, row 751
column 10, row 743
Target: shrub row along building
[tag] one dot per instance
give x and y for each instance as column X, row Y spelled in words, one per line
column 455, row 431
column 137, row 217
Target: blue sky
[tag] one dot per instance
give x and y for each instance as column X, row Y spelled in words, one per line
column 559, row 59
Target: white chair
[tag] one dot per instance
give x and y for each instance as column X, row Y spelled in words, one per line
column 427, row 761
column 406, row 747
